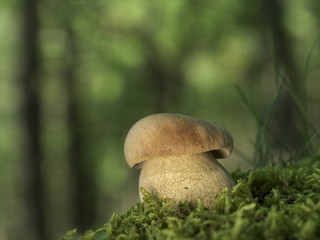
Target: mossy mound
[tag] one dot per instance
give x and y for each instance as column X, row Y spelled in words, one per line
column 279, row 202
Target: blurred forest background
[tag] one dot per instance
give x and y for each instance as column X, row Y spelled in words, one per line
column 76, row 75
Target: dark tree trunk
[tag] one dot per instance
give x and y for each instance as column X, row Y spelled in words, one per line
column 33, row 181
column 288, row 123
column 82, row 168
column 166, row 81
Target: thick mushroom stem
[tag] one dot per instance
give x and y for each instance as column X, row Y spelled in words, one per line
column 185, row 177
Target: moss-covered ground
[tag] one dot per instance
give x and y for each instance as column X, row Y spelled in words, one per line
column 275, row 202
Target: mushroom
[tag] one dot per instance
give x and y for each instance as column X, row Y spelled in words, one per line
column 177, row 156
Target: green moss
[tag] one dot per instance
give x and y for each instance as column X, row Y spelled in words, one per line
column 276, row 202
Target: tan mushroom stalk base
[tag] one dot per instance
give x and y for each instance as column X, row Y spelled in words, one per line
column 185, row 178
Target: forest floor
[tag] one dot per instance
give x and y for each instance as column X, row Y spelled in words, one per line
column 274, row 202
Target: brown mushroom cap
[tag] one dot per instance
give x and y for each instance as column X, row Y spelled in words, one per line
column 167, row 134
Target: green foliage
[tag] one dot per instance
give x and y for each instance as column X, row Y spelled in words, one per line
column 280, row 202
column 270, row 147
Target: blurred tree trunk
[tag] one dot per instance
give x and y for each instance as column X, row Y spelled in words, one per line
column 33, row 182
column 82, row 169
column 166, row 80
column 288, row 123
column 168, row 84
